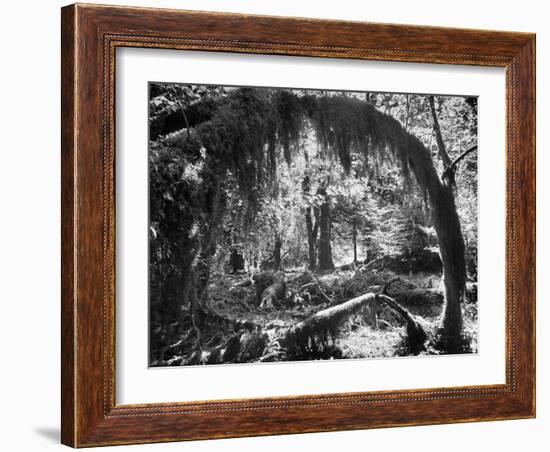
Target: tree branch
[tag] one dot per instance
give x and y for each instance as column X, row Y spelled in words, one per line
column 464, row 154
column 439, row 138
column 452, row 167
column 184, row 118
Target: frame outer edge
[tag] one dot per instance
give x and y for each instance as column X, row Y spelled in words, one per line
column 534, row 226
column 86, row 420
column 525, row 62
column 68, row 230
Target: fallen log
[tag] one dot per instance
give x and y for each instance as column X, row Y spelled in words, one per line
column 319, row 329
column 328, row 319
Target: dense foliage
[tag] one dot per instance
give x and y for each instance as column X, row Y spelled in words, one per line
column 245, row 181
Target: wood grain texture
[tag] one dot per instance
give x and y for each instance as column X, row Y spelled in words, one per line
column 68, row 387
column 90, row 36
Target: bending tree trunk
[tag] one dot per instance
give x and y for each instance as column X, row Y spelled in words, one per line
column 451, row 247
column 449, row 234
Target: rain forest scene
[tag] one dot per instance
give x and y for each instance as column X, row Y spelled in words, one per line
column 297, row 224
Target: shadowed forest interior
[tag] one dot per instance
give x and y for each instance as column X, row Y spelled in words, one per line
column 295, row 224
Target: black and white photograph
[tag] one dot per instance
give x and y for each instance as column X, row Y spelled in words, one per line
column 292, row 224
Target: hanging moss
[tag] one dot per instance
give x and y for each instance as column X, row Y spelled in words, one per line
column 251, row 125
column 347, row 125
column 291, row 113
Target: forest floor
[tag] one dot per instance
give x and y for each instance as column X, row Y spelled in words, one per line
column 375, row 331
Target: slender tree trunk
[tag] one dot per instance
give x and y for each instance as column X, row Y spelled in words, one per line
column 354, row 240
column 311, row 229
column 407, row 111
column 277, row 252
column 325, row 248
column 439, row 138
column 311, row 239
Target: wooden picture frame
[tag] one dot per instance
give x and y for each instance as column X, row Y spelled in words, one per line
column 90, row 36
